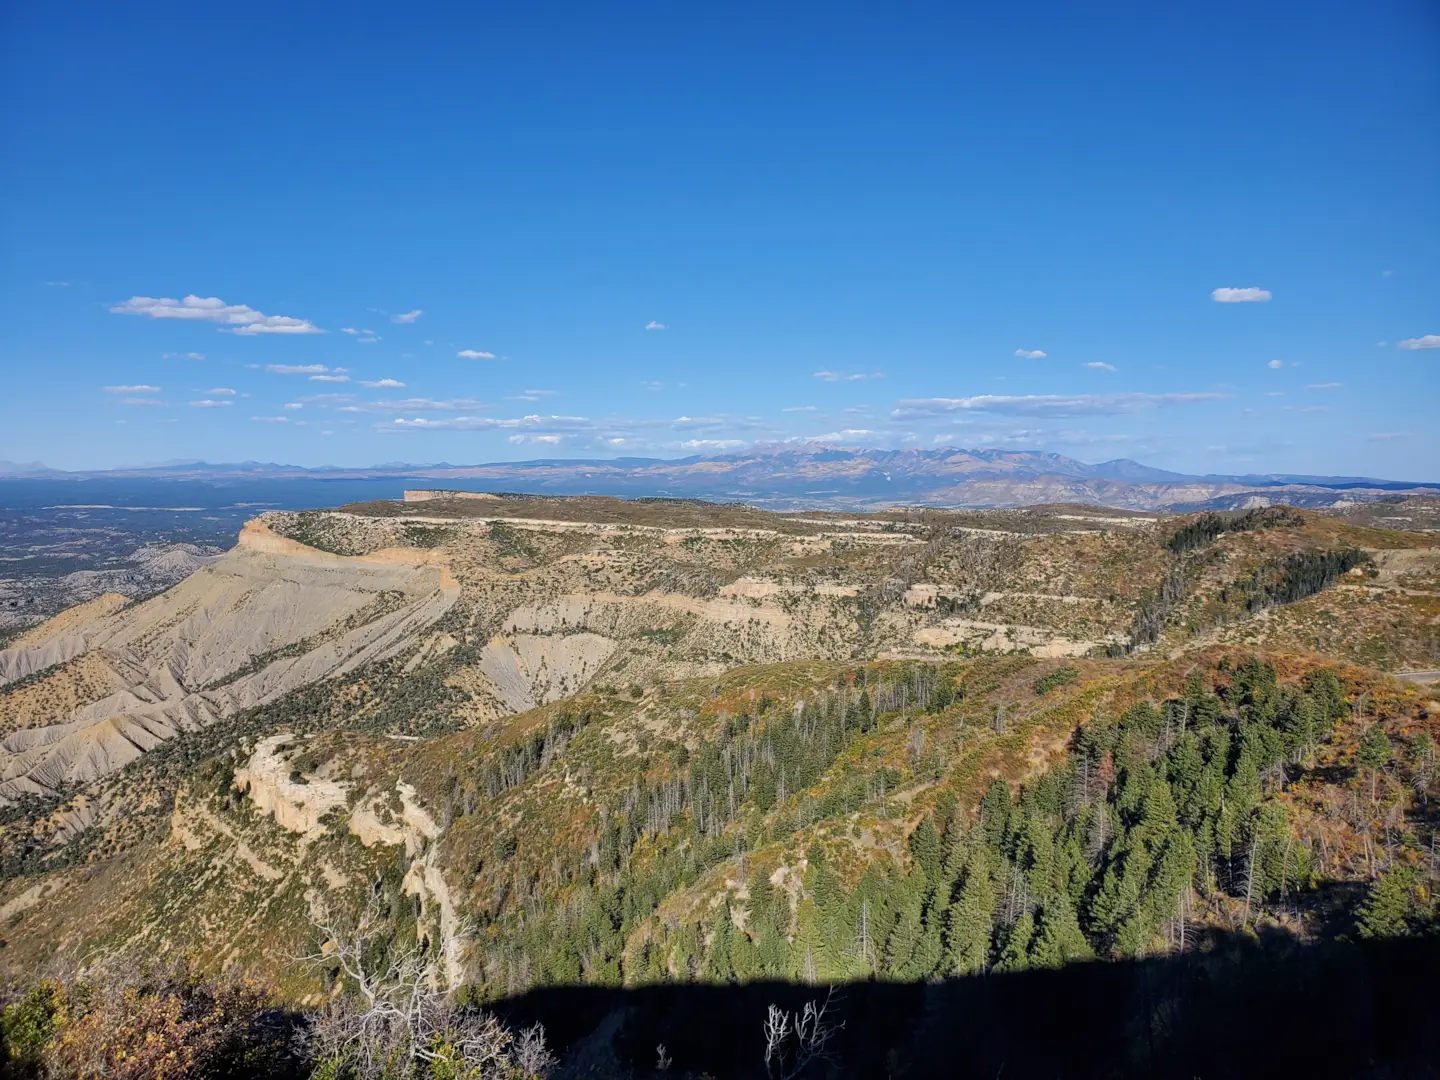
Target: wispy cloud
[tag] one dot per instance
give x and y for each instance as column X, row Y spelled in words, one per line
column 840, row 376
column 845, row 435
column 655, row 325
column 1031, row 354
column 383, row 384
column 1048, row 405
column 143, row 402
column 475, row 354
column 1275, row 365
column 139, row 388
column 1240, row 296
column 368, row 340
column 420, row 404
column 1387, row 436
column 407, row 316
column 57, row 284
column 209, row 403
column 221, row 391
column 234, row 318
column 293, row 406
column 349, row 330
column 330, row 378
column 298, row 369
column 651, row 384
column 1100, row 365
column 182, row 356
column 1324, row 386
column 270, row 419
column 1427, row 341
column 801, row 408
column 531, row 395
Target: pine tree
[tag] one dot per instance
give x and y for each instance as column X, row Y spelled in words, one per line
column 1059, row 939
column 1387, row 906
column 1015, row 956
column 744, row 957
column 995, row 814
column 1373, row 753
column 806, row 953
column 718, row 967
column 971, row 918
column 924, row 843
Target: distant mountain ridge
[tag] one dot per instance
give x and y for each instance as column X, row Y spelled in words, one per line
column 825, row 476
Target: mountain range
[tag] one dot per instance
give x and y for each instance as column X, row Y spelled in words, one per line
column 823, row 476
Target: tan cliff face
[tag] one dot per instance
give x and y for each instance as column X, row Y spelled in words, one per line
column 267, row 618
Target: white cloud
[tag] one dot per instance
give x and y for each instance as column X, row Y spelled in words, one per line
column 801, row 408
column 137, row 389
column 57, row 284
column 1048, row 405
column 234, row 318
column 349, row 330
column 221, row 391
column 1240, row 296
column 330, row 378
column 298, row 369
column 1030, row 354
column 141, row 402
column 838, row 376
column 713, row 444
column 1275, row 365
column 270, row 419
column 368, row 340
column 408, row 316
column 1324, row 386
column 209, row 403
column 544, row 440
column 293, row 405
column 475, row 354
column 182, row 356
column 652, row 384
column 428, row 405
column 1387, row 436
column 1100, row 365
column 844, row 435
column 1428, row 341
column 384, row 384
column 654, row 325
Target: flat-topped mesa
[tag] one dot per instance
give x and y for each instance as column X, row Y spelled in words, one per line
column 424, row 495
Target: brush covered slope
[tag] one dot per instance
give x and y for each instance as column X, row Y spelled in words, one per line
column 622, row 743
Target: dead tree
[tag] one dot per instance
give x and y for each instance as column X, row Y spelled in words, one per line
column 793, row 1041
column 390, row 1009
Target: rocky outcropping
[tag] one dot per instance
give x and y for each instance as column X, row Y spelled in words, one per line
column 267, row 618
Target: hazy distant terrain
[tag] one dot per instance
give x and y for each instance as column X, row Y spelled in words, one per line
column 790, row 478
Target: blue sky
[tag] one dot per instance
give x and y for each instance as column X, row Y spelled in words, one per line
column 590, row 230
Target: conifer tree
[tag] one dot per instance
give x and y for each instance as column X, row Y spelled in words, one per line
column 1015, row 956
column 1058, row 939
column 924, row 843
column 1373, row 753
column 744, row 957
column 718, row 966
column 971, row 918
column 1387, row 906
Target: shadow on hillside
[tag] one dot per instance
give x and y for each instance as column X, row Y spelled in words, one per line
column 1234, row 1008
